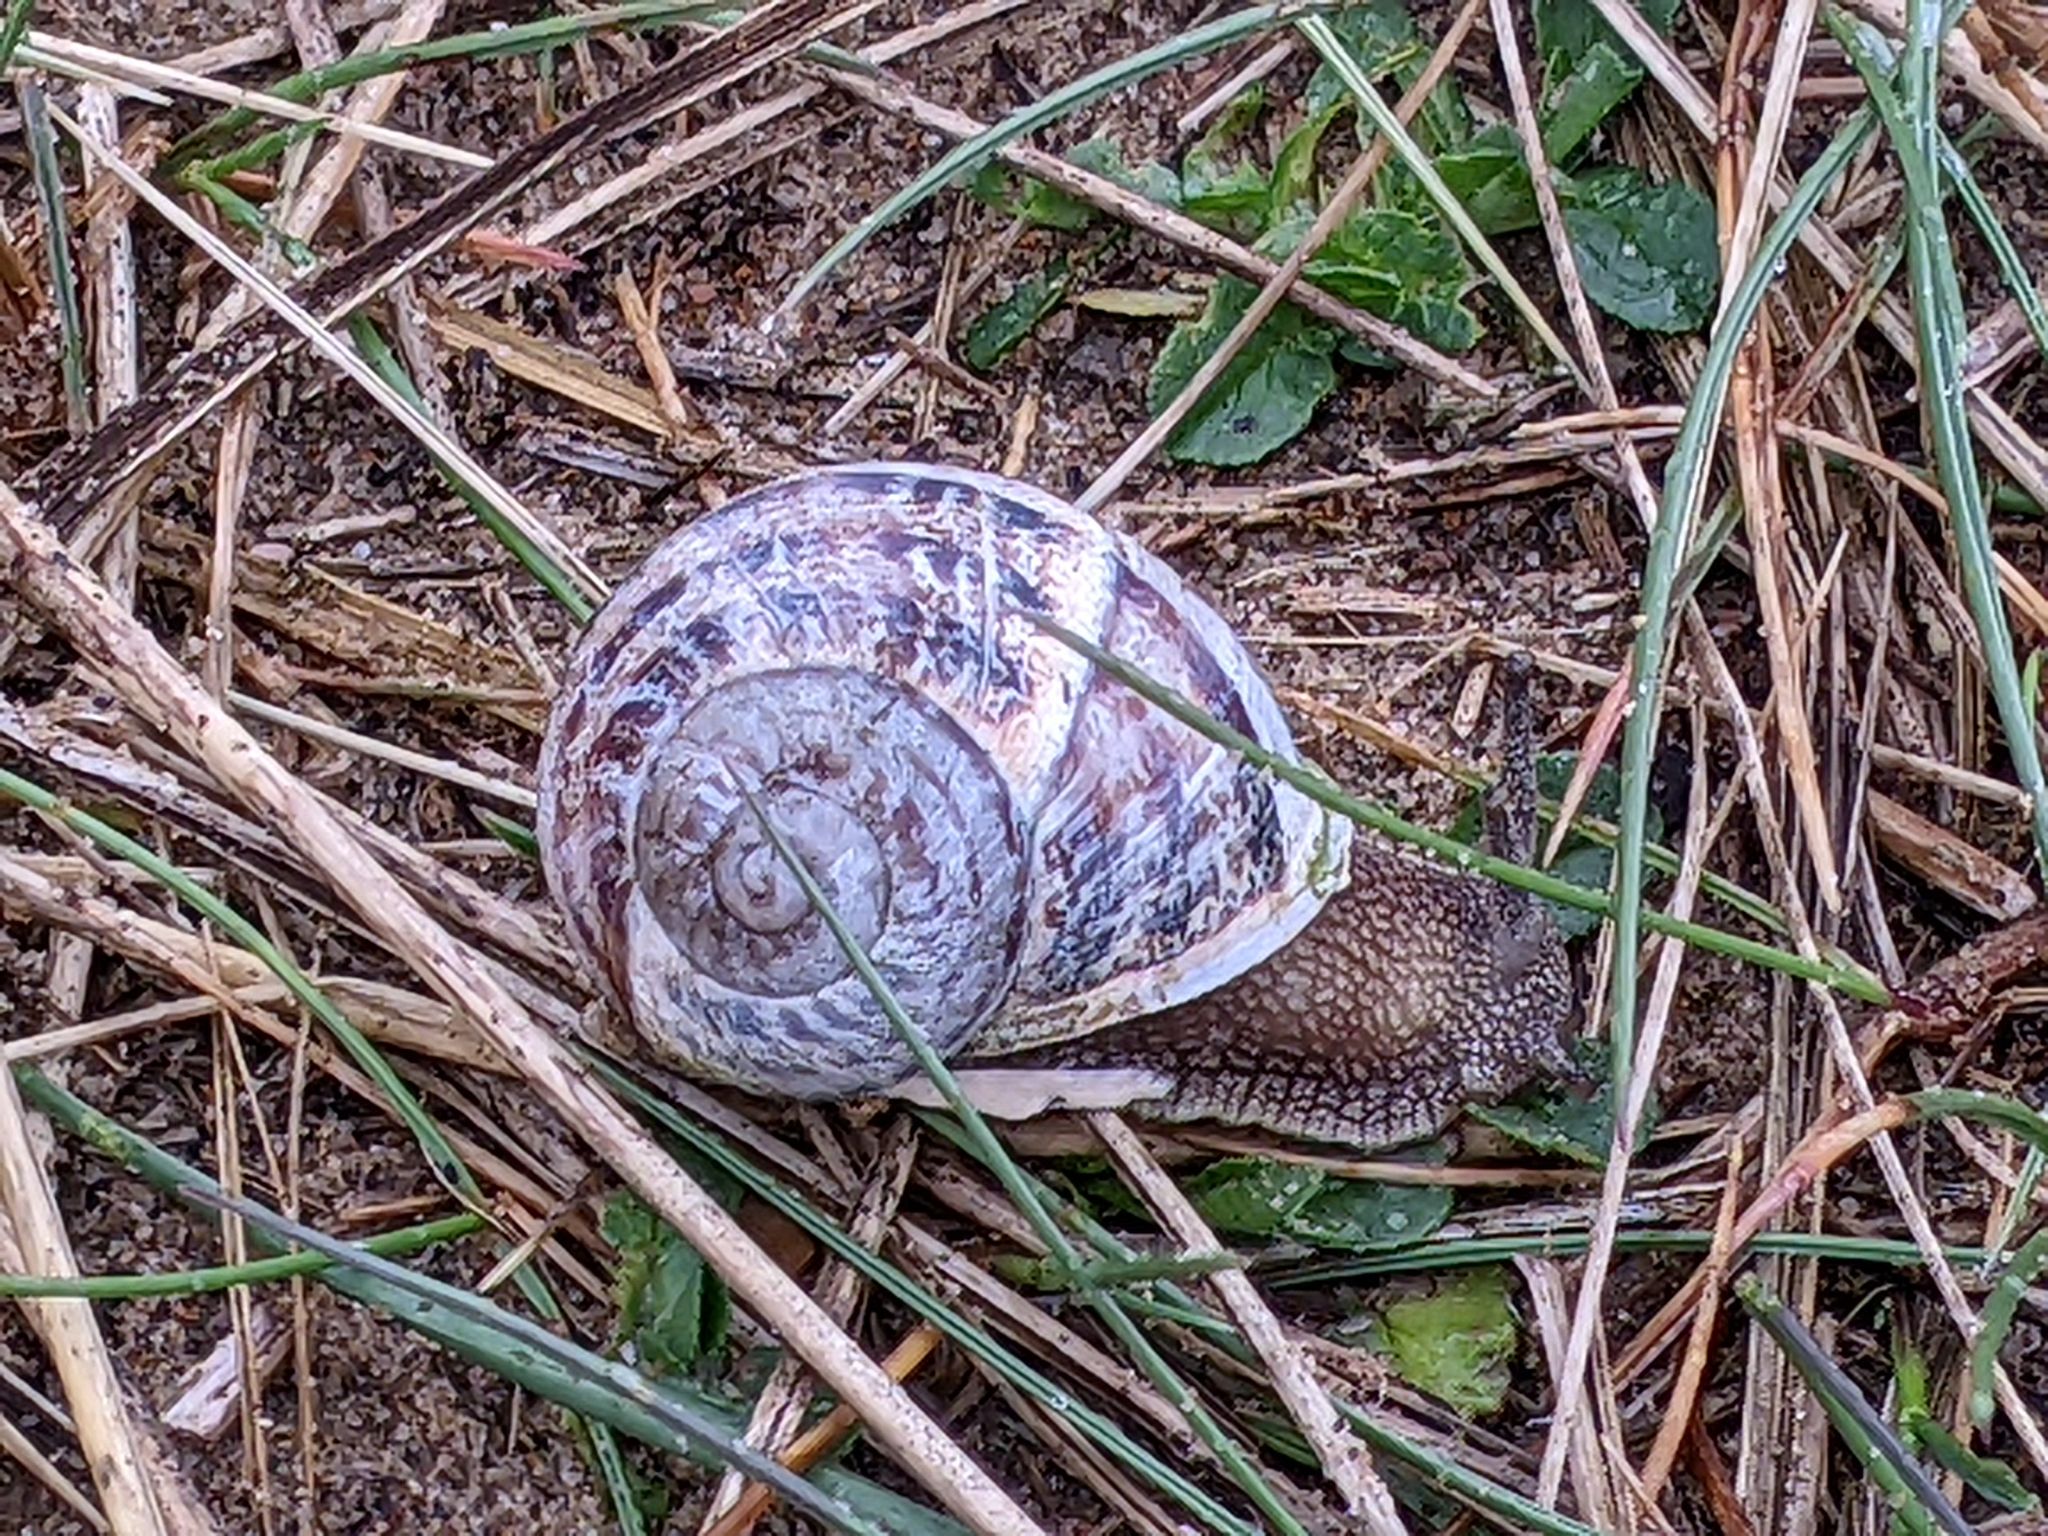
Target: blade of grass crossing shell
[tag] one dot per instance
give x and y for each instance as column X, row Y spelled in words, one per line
column 200, row 1282
column 1388, row 126
column 1942, row 328
column 990, row 1352
column 476, row 1329
column 1023, row 1193
column 1918, row 1504
column 970, row 154
column 1844, row 979
column 1685, row 484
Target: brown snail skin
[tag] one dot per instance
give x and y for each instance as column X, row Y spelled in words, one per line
column 1080, row 901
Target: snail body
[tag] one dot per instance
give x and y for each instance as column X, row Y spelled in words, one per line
column 1076, row 897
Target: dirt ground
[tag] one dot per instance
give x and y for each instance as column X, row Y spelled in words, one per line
column 1384, row 601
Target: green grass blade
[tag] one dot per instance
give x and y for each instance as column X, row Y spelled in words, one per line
column 221, row 1277
column 1919, row 1505
column 13, row 28
column 1024, row 1194
column 308, row 86
column 48, row 177
column 559, row 583
column 1685, row 485
column 988, row 1351
column 2001, row 1311
column 970, row 155
column 1942, row 329
column 1850, row 982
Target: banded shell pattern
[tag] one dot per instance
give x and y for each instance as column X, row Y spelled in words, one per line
column 1027, row 850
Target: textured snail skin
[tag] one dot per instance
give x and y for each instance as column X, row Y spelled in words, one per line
column 1078, row 899
column 1416, row 991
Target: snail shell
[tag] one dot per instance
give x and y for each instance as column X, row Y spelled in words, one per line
column 1027, row 850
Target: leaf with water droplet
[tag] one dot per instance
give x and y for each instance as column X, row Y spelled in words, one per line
column 1647, row 253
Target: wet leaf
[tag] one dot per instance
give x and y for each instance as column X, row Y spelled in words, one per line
column 672, row 1307
column 1580, row 101
column 1455, row 1342
column 1647, row 254
column 1002, row 327
column 1404, row 269
column 1561, row 1121
column 1252, row 1196
column 1364, row 1215
column 1265, row 398
column 1293, row 186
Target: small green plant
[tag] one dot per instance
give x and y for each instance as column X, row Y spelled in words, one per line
column 1647, row 253
column 672, row 1308
column 1454, row 1340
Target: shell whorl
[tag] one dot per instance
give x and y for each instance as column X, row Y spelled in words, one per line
column 1027, row 850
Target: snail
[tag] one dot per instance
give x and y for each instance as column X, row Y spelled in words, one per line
column 1081, row 901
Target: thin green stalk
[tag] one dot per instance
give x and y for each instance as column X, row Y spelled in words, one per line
column 1234, row 1458
column 309, row 85
column 969, row 155
column 480, row 1331
column 13, row 29
column 1920, row 1506
column 221, row 1277
column 558, row 582
column 2001, row 1311
column 1942, row 328
column 441, row 1156
column 49, row 179
column 1464, row 1252
column 1850, row 982
column 1685, row 484
column 986, row 1350
column 682, row 1420
column 1418, row 163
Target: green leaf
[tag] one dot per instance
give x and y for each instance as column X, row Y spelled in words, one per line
column 1567, row 30
column 1647, row 254
column 1559, row 1122
column 1252, row 1196
column 1002, row 327
column 1220, row 184
column 1044, row 205
column 1364, row 1216
column 1265, row 398
column 672, row 1307
column 1455, row 1342
column 1488, row 175
column 1579, row 102
column 1293, row 188
column 1985, row 1476
column 1401, row 268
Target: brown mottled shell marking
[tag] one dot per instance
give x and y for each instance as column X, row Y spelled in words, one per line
column 1027, row 850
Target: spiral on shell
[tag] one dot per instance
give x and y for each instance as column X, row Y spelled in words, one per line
column 1026, row 849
